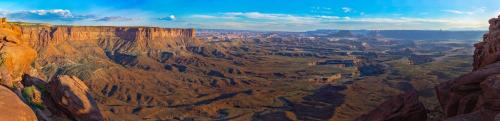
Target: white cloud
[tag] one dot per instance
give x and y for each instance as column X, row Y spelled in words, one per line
column 272, row 21
column 169, row 18
column 467, row 12
column 203, row 16
column 61, row 16
column 60, row 12
column 115, row 18
column 454, row 11
column 346, row 9
column 53, row 14
column 266, row 17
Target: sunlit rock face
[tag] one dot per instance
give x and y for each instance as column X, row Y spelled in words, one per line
column 15, row 55
column 73, row 96
column 487, row 51
column 14, row 109
column 15, row 59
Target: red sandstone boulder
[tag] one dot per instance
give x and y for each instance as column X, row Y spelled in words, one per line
column 404, row 107
column 14, row 109
column 72, row 95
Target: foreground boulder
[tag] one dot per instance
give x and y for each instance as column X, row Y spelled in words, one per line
column 460, row 96
column 14, row 109
column 73, row 96
column 404, row 107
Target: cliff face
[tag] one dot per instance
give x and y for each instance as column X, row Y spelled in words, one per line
column 474, row 96
column 487, row 51
column 66, row 44
column 142, row 37
column 131, row 71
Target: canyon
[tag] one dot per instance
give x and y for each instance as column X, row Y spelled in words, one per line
column 151, row 73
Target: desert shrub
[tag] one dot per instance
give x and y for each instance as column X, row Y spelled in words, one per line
column 29, row 95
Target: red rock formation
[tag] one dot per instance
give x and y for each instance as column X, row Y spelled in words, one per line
column 40, row 36
column 15, row 56
column 72, row 95
column 14, row 109
column 153, row 42
column 476, row 96
column 487, row 51
column 404, row 107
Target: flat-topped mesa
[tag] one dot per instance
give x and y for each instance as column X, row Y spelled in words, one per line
column 140, row 37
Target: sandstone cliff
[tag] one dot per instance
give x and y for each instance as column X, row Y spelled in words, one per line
column 133, row 71
column 144, row 37
column 26, row 96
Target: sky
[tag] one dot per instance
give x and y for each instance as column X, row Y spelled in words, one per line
column 264, row 15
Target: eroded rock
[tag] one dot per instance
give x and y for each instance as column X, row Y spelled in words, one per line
column 14, row 109
column 476, row 96
column 15, row 56
column 72, row 95
column 404, row 107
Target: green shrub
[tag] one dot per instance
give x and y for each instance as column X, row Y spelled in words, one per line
column 28, row 94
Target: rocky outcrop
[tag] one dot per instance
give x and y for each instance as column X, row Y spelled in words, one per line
column 109, row 37
column 14, row 109
column 69, row 94
column 487, row 51
column 476, row 96
column 60, row 44
column 72, row 95
column 16, row 57
column 404, row 107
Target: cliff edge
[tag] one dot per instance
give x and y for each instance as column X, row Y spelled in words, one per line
column 474, row 96
column 26, row 98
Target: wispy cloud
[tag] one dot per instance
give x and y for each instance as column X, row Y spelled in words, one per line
column 346, row 9
column 321, row 10
column 267, row 17
column 169, row 18
column 272, row 21
column 63, row 15
column 54, row 14
column 457, row 12
column 115, row 18
column 466, row 12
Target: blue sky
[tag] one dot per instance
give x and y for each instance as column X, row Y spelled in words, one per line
column 274, row 15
